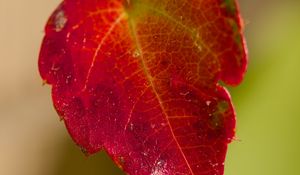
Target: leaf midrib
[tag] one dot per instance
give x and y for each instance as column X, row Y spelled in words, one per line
column 132, row 28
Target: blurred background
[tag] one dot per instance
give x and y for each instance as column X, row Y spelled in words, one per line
column 34, row 142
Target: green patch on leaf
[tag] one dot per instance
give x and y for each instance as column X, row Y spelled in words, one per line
column 230, row 6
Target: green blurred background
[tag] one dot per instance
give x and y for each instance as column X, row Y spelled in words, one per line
column 34, row 142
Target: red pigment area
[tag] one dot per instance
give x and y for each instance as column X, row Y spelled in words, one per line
column 139, row 79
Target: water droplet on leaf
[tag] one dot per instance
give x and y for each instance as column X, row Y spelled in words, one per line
column 60, row 21
column 208, row 102
column 136, row 54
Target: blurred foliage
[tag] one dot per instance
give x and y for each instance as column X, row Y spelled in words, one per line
column 267, row 101
column 74, row 162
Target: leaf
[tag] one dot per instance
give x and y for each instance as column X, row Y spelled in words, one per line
column 139, row 79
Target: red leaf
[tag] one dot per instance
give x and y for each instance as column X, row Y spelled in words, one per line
column 139, row 78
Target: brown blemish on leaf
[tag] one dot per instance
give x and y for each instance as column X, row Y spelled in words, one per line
column 216, row 120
